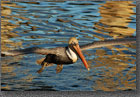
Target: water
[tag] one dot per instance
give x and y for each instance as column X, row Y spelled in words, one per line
column 50, row 25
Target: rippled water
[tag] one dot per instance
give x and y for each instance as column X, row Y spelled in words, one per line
column 51, row 24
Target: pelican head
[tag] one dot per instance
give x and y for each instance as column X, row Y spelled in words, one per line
column 74, row 50
column 73, row 40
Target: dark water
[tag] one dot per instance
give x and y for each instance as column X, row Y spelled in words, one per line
column 51, row 24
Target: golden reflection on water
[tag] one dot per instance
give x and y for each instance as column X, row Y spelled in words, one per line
column 6, row 34
column 115, row 19
column 107, row 83
column 7, row 27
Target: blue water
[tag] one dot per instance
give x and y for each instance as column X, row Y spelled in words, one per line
column 39, row 25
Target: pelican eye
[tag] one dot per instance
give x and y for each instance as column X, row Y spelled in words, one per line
column 73, row 43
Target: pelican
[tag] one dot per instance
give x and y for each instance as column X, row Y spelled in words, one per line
column 67, row 55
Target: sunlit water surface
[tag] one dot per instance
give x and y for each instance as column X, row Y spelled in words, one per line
column 51, row 24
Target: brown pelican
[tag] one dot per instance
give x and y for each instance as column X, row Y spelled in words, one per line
column 69, row 54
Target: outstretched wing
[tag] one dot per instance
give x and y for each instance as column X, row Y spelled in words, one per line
column 104, row 43
column 94, row 44
column 37, row 50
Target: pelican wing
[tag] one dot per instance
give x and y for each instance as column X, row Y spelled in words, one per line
column 37, row 50
column 45, row 51
column 97, row 44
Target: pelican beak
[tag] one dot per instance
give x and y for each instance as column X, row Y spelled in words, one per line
column 78, row 50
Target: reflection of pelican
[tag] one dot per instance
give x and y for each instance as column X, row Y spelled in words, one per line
column 67, row 55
